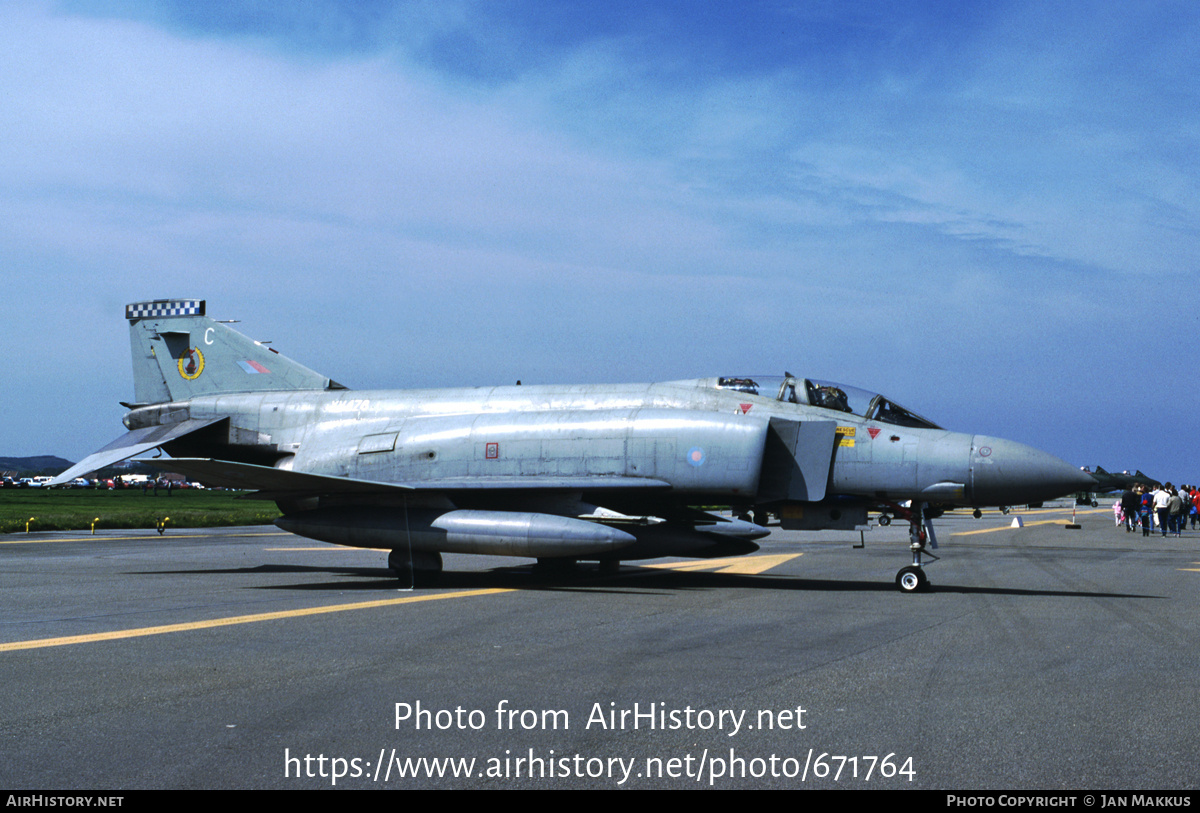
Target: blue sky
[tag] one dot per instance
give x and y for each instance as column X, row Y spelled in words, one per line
column 988, row 212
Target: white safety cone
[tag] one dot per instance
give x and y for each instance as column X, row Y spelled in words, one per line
column 1016, row 523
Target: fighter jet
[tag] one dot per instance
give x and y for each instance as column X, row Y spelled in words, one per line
column 1145, row 479
column 1108, row 481
column 557, row 473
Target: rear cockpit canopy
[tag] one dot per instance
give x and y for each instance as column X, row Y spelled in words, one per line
column 826, row 395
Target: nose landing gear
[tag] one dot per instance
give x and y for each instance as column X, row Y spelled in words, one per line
column 913, row 579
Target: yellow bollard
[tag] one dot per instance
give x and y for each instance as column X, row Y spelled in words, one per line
column 94, row 521
column 162, row 525
column 31, row 519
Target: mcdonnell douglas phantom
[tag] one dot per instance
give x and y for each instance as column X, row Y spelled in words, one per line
column 557, row 473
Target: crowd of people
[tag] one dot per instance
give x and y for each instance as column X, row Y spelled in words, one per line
column 1166, row 508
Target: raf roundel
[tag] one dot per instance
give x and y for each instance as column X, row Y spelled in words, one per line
column 695, row 456
column 191, row 364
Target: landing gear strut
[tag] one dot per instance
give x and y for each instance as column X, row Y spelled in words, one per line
column 912, row 579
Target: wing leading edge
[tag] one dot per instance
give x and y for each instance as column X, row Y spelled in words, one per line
column 273, row 482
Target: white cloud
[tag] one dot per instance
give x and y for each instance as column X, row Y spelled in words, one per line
column 570, row 212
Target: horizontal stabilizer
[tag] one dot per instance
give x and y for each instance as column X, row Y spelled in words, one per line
column 129, row 444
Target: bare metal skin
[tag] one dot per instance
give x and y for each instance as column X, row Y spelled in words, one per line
column 602, row 472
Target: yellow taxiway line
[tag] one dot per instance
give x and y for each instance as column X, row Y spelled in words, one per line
column 742, row 565
column 1025, row 512
column 1009, row 527
column 239, row 619
column 1062, row 512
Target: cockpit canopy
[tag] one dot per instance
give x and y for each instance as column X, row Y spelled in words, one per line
column 827, row 395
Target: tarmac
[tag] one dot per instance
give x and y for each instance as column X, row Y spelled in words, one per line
column 1043, row 658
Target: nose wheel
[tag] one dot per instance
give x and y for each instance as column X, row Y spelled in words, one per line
column 912, row 579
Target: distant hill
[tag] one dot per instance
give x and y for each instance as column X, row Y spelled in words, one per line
column 42, row 464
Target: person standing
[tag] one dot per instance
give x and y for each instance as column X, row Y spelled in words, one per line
column 1130, row 503
column 1145, row 509
column 1175, row 512
column 1162, row 502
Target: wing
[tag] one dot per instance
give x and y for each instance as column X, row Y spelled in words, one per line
column 273, row 483
column 269, row 480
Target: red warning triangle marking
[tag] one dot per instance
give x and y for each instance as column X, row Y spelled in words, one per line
column 873, row 431
column 745, row 407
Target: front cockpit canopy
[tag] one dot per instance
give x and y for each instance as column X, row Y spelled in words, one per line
column 827, row 395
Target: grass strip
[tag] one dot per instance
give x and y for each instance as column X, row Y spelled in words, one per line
column 73, row 509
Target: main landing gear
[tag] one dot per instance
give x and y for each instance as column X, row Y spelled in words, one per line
column 912, row 579
column 415, row 568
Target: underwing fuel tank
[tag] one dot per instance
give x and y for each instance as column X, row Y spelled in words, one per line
column 496, row 533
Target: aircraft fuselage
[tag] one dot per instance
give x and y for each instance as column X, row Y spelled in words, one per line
column 706, row 443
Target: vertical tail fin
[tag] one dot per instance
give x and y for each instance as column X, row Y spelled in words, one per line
column 179, row 353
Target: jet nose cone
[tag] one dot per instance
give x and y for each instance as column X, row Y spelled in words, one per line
column 1004, row 472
